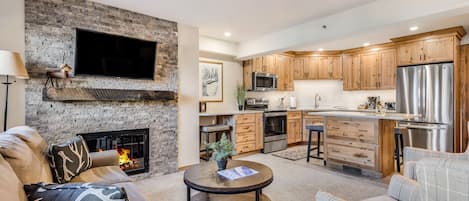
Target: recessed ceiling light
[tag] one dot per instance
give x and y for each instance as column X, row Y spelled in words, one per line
column 414, row 28
column 366, row 44
column 320, row 49
column 227, row 34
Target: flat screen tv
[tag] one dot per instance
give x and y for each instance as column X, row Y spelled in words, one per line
column 111, row 55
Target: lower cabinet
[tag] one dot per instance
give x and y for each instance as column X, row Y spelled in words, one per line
column 310, row 120
column 367, row 144
column 249, row 132
column 294, row 128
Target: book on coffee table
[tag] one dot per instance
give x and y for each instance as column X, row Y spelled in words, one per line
column 237, row 172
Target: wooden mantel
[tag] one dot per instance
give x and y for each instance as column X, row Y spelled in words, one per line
column 89, row 94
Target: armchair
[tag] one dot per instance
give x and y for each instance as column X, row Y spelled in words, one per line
column 438, row 179
column 412, row 155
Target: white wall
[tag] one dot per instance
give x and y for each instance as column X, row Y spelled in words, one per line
column 12, row 39
column 188, row 107
column 232, row 76
column 331, row 92
column 213, row 45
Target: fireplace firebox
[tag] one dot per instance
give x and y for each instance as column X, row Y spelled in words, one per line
column 132, row 146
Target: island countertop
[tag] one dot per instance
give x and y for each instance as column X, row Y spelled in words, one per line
column 227, row 113
column 367, row 115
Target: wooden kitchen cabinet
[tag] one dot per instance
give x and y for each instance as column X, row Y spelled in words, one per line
column 438, row 50
column 247, row 74
column 284, row 66
column 268, row 63
column 306, row 68
column 387, row 69
column 249, row 132
column 426, row 51
column 351, row 72
column 430, row 47
column 298, row 68
column 257, row 65
column 335, row 67
column 409, row 53
column 259, row 131
column 369, row 70
column 366, row 144
column 329, row 67
column 310, row 120
column 324, row 69
column 294, row 128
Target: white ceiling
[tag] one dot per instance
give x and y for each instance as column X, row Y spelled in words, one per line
column 245, row 19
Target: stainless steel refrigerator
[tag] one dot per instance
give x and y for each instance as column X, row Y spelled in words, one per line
column 427, row 90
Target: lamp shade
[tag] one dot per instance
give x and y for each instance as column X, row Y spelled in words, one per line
column 12, row 65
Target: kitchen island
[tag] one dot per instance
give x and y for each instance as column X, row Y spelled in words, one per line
column 361, row 141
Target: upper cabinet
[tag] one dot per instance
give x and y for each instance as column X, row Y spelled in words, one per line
column 387, row 69
column 285, row 72
column 431, row 47
column 370, row 69
column 369, row 64
column 351, row 72
column 366, row 68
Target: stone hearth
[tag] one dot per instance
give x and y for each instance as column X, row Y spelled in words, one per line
column 50, row 41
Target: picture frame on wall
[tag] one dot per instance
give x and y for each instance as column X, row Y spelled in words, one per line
column 210, row 81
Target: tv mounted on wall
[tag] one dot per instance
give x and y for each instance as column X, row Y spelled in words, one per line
column 111, row 55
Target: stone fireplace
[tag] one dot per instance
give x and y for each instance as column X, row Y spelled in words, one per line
column 50, row 41
column 132, row 146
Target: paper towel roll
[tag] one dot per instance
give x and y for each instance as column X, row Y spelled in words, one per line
column 292, row 102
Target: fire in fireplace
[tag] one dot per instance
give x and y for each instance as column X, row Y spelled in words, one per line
column 132, row 146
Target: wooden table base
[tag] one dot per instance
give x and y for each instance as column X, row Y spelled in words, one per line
column 231, row 197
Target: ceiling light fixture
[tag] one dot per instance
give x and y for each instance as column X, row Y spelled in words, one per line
column 366, row 44
column 320, row 49
column 414, row 28
column 227, row 34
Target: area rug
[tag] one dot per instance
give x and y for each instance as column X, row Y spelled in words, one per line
column 293, row 181
column 294, row 153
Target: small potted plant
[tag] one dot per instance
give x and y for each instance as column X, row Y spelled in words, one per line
column 240, row 96
column 222, row 150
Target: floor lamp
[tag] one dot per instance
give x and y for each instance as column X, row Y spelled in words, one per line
column 11, row 65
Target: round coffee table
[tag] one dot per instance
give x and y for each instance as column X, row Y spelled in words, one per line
column 204, row 178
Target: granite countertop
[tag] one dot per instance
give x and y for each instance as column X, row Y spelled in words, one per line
column 227, row 113
column 368, row 115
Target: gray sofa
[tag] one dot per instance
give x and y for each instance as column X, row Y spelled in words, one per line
column 23, row 161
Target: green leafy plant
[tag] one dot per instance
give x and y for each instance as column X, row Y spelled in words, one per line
column 223, row 149
column 241, row 94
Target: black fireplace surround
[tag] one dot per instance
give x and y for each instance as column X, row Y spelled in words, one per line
column 132, row 146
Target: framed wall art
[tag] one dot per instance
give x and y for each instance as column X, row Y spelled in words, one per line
column 210, row 81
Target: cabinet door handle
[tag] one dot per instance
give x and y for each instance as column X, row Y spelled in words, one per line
column 424, row 57
column 420, row 57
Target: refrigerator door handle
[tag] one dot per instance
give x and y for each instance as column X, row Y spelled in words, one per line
column 426, row 127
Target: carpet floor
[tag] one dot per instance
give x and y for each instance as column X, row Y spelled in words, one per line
column 293, row 181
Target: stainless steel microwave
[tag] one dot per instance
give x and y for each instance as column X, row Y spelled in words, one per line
column 264, row 81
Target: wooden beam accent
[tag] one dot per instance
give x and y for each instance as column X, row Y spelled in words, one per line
column 464, row 70
column 87, row 94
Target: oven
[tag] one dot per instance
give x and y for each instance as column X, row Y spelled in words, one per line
column 275, row 131
column 264, row 81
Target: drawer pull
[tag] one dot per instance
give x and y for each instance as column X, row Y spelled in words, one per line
column 360, row 155
column 361, row 130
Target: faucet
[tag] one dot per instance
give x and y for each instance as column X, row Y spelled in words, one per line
column 317, row 98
